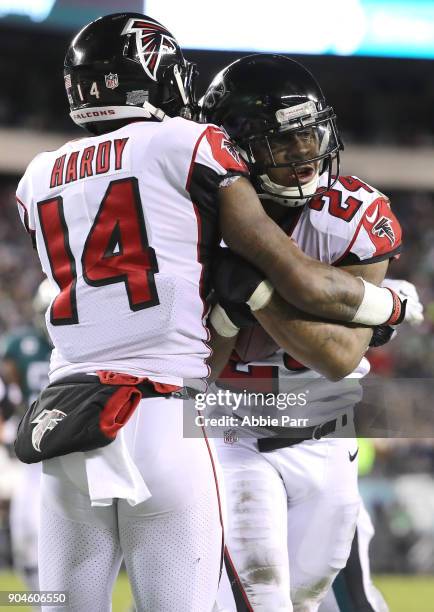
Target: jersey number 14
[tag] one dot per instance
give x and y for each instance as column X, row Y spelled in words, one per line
column 116, row 251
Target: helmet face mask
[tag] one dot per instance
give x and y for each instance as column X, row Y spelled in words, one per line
column 288, row 163
column 127, row 65
column 274, row 110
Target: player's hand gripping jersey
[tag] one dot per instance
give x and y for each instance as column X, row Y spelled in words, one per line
column 124, row 224
column 350, row 224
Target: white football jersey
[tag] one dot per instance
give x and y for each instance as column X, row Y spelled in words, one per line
column 353, row 224
column 124, row 224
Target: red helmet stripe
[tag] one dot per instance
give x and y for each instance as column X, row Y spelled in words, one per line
column 149, row 25
column 151, row 39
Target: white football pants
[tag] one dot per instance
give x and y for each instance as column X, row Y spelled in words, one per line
column 291, row 515
column 171, row 542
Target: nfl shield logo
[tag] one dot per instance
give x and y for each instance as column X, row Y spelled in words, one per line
column 230, row 436
column 111, row 80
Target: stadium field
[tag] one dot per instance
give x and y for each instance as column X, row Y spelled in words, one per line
column 402, row 593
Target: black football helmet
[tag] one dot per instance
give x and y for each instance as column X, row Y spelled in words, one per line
column 262, row 101
column 127, row 65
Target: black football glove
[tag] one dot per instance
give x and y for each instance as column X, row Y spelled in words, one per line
column 239, row 289
column 235, row 280
column 239, row 314
column 382, row 335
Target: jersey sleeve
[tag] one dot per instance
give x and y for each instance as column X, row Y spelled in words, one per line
column 378, row 235
column 215, row 159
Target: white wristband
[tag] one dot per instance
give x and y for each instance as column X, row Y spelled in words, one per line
column 261, row 296
column 222, row 323
column 376, row 307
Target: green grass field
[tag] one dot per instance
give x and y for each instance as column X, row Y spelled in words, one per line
column 402, row 593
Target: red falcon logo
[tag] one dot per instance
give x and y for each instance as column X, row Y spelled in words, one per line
column 383, row 227
column 152, row 41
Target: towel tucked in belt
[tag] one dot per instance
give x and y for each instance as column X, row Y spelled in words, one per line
column 112, row 473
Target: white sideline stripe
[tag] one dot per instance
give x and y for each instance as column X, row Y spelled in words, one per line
column 384, row 167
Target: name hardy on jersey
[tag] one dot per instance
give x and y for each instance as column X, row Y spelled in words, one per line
column 91, row 161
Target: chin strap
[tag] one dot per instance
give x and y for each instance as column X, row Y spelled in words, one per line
column 287, row 196
column 181, row 88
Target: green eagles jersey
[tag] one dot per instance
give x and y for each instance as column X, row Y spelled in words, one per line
column 30, row 351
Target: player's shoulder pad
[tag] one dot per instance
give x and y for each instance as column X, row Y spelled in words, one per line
column 357, row 219
column 24, row 188
column 218, row 146
column 29, row 186
column 204, row 144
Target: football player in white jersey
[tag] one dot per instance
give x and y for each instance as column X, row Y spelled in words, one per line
column 293, row 502
column 125, row 222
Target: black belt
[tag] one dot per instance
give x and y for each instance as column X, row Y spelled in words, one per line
column 185, row 393
column 265, row 445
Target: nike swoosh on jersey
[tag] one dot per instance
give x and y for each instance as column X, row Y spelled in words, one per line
column 352, row 457
column 372, row 218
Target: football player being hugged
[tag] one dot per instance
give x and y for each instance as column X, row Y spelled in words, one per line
column 293, row 503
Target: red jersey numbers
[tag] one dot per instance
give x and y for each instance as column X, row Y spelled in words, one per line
column 337, row 208
column 116, row 250
column 251, row 378
column 62, row 263
column 352, row 183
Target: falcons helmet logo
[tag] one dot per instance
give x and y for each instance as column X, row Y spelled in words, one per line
column 214, row 95
column 383, row 227
column 152, row 41
column 46, row 420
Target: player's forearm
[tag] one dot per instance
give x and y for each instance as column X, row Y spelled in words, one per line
column 332, row 349
column 306, row 283
column 310, row 285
